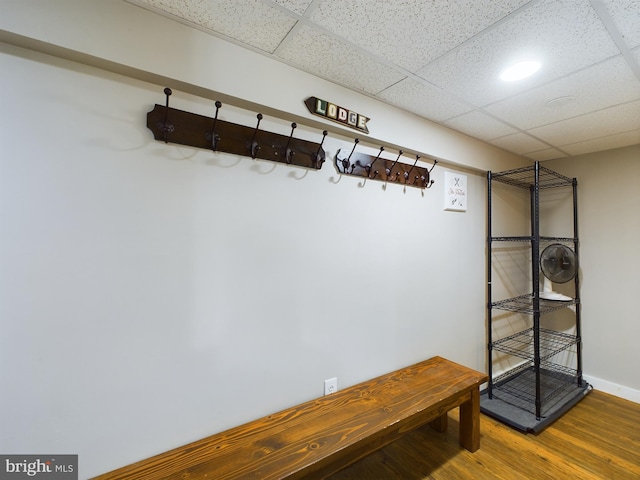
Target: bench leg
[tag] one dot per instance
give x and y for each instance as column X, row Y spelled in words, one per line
column 470, row 422
column 440, row 424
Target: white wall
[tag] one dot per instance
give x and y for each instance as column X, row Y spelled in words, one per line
column 154, row 294
column 609, row 228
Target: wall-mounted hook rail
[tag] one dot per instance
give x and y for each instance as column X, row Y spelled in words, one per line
column 177, row 126
column 394, row 171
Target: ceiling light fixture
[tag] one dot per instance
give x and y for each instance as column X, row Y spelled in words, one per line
column 519, row 71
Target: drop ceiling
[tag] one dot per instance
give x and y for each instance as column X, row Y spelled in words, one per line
column 441, row 60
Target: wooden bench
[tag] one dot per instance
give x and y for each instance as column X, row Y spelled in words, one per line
column 322, row 436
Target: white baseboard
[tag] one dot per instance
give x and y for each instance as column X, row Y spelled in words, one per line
column 613, row 388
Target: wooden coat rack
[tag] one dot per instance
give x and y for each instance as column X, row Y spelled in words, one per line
column 377, row 168
column 177, row 126
column 184, row 128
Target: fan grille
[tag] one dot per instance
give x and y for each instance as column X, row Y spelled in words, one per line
column 558, row 263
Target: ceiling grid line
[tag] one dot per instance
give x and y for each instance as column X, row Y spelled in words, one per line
column 609, row 24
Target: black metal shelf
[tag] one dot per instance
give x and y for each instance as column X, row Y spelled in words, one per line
column 518, row 385
column 538, row 385
column 525, row 178
column 512, row 239
column 525, row 304
column 521, row 344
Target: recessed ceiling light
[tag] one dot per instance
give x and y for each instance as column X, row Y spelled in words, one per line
column 519, row 71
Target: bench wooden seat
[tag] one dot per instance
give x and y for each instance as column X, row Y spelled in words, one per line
column 322, row 436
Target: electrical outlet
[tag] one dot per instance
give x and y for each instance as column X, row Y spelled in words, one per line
column 331, row 385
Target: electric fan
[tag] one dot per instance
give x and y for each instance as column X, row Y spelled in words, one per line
column 558, row 265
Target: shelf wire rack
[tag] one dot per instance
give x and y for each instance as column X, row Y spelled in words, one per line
column 525, row 304
column 517, row 386
column 521, row 344
column 525, row 178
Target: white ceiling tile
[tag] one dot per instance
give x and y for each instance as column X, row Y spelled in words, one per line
column 604, row 143
column 257, row 24
column 480, row 125
column 539, row 32
column 410, row 33
column 620, row 118
column 626, row 17
column 382, row 48
column 546, row 154
column 608, row 83
column 329, row 58
column 423, row 99
column 296, row 6
column 519, row 143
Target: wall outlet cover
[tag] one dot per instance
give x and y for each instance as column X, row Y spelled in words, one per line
column 331, row 385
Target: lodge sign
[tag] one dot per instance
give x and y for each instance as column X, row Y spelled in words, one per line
column 338, row 114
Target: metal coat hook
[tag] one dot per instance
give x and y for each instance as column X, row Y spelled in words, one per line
column 406, row 174
column 427, row 175
column 254, row 145
column 288, row 152
column 215, row 138
column 319, row 159
column 388, row 171
column 167, row 127
column 370, row 166
column 347, row 161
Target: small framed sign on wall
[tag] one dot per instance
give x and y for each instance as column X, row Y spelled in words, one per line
column 455, row 192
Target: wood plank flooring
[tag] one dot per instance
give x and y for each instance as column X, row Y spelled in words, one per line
column 599, row 438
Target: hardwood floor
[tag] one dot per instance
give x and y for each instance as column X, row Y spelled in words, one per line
column 599, row 438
